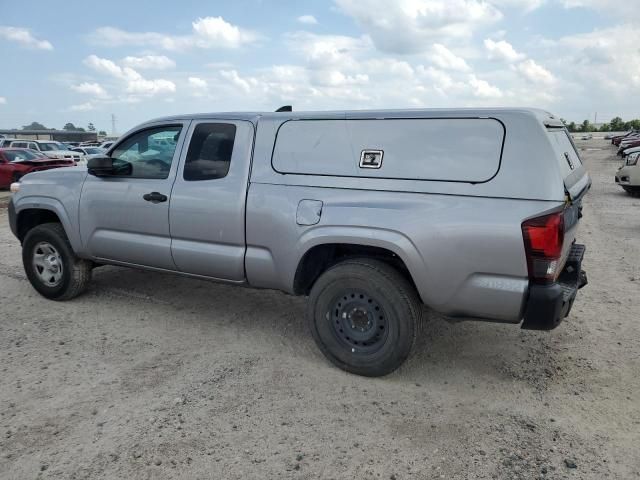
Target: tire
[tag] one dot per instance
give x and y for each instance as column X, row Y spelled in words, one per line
column 363, row 315
column 45, row 249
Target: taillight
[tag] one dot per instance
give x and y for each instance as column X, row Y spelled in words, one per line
column 543, row 239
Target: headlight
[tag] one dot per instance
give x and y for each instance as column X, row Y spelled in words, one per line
column 632, row 160
column 15, row 187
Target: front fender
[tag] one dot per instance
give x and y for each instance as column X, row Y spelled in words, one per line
column 40, row 202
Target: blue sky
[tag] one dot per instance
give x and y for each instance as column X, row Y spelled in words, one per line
column 79, row 62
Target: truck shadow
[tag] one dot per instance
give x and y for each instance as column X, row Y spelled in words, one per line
column 472, row 351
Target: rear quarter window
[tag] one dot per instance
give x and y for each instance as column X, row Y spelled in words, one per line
column 447, row 149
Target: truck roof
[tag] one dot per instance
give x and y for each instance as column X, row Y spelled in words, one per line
column 542, row 115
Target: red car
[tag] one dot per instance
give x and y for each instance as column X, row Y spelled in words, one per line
column 16, row 162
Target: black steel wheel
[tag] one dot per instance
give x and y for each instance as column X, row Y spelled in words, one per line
column 363, row 315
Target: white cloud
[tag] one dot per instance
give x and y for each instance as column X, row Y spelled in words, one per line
column 3, row 100
column 329, row 51
column 135, row 83
column 24, row 37
column 233, row 77
column 149, row 62
column 483, row 89
column 527, row 5
column 409, row 26
column 502, row 50
column 442, row 57
column 83, row 107
column 627, row 10
column 198, row 87
column 308, row 20
column 207, row 32
column 535, row 73
column 94, row 89
column 197, row 82
column 142, row 86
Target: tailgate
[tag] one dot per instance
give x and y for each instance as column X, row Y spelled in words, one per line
column 576, row 182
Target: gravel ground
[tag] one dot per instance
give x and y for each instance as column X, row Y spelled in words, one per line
column 156, row 376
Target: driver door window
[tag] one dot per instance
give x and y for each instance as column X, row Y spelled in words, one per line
column 147, row 154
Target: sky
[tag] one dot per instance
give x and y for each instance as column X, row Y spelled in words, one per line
column 82, row 62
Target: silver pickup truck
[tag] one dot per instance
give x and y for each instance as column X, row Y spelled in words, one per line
column 371, row 214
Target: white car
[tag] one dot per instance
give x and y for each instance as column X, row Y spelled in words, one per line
column 50, row 148
column 628, row 175
column 629, row 151
column 587, row 137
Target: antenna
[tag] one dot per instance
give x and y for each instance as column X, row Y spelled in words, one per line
column 113, row 125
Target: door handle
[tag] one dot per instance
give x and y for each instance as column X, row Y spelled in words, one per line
column 155, row 197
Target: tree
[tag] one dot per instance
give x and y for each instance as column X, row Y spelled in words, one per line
column 632, row 125
column 564, row 122
column 616, row 124
column 70, row 127
column 90, row 127
column 572, row 127
column 586, row 126
column 605, row 127
column 34, row 126
column 102, row 133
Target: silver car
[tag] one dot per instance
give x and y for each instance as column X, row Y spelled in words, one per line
column 370, row 214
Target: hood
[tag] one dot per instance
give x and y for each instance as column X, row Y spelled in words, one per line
column 62, row 153
column 46, row 161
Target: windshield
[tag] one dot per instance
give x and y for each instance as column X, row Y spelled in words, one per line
column 49, row 146
column 18, row 155
column 94, row 151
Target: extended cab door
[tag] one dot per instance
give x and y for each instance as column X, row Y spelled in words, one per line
column 125, row 217
column 207, row 211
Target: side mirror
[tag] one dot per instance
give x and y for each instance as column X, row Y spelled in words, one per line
column 101, row 166
column 104, row 166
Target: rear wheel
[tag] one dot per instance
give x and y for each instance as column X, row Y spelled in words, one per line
column 363, row 315
column 50, row 264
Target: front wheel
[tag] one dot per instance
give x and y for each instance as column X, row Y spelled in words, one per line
column 50, row 264
column 363, row 315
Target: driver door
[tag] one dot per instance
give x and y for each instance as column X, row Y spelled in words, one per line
column 124, row 218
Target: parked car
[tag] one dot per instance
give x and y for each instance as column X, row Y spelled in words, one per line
column 631, row 142
column 107, row 145
column 370, row 214
column 51, row 149
column 17, row 162
column 629, row 151
column 628, row 175
column 587, row 136
column 619, row 138
column 89, row 150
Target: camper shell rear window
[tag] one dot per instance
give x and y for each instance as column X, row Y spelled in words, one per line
column 440, row 149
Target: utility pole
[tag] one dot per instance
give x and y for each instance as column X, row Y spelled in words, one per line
column 113, row 125
column 595, row 118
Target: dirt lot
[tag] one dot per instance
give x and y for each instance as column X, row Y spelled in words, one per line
column 154, row 376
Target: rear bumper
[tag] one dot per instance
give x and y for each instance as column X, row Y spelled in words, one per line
column 548, row 305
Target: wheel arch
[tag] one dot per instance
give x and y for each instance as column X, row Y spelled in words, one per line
column 34, row 211
column 322, row 249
